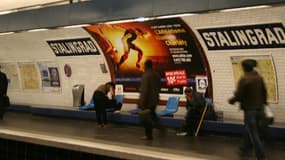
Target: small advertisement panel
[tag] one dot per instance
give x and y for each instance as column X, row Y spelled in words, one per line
column 30, row 76
column 176, row 77
column 49, row 76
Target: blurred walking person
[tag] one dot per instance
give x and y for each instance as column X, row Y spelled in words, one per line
column 148, row 100
column 252, row 95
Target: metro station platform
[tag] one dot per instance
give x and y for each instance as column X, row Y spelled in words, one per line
column 42, row 130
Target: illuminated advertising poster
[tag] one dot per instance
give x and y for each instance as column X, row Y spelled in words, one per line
column 169, row 43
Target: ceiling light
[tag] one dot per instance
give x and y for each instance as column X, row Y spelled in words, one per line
column 141, row 19
column 120, row 21
column 178, row 15
column 6, row 12
column 244, row 8
column 5, row 33
column 77, row 26
column 36, row 30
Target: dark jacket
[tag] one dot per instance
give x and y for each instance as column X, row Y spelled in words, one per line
column 251, row 92
column 3, row 84
column 196, row 103
column 149, row 90
column 100, row 98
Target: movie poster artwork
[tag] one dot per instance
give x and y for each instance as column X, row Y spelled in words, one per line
column 167, row 42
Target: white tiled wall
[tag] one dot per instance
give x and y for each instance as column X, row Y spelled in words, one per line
column 220, row 64
column 33, row 47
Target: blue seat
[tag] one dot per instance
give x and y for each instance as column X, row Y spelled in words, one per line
column 134, row 111
column 172, row 106
column 119, row 98
column 90, row 106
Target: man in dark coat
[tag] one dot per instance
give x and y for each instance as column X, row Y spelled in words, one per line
column 149, row 98
column 195, row 104
column 252, row 95
column 3, row 92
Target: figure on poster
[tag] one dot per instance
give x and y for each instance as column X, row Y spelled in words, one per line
column 3, row 93
column 103, row 98
column 251, row 93
column 195, row 103
column 128, row 38
column 148, row 100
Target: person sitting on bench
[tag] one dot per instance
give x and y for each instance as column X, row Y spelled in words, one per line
column 195, row 103
column 104, row 97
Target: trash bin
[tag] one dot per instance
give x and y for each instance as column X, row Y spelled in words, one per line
column 78, row 95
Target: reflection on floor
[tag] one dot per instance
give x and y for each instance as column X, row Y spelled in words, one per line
column 122, row 141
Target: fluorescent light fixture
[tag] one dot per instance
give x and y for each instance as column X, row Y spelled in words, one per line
column 6, row 12
column 141, row 19
column 178, row 15
column 120, row 21
column 245, row 8
column 76, row 26
column 29, row 8
column 37, row 30
column 5, row 33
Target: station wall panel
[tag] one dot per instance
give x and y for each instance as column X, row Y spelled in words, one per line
column 33, row 47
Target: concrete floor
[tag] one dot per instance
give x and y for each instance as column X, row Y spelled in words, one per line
column 208, row 146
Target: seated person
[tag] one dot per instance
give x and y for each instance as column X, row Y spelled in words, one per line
column 102, row 101
column 112, row 103
column 195, row 103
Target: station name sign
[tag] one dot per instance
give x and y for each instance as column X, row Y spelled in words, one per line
column 270, row 35
column 73, row 47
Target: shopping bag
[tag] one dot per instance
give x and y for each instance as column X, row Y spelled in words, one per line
column 269, row 116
